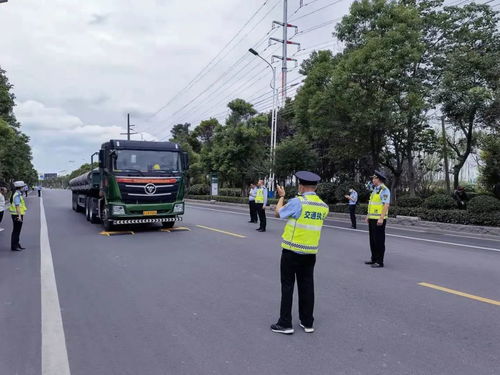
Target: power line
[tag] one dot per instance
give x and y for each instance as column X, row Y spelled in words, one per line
column 316, row 11
column 199, row 75
column 260, row 21
column 225, row 83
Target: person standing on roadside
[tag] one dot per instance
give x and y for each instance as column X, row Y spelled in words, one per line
column 26, row 190
column 378, row 210
column 17, row 210
column 3, row 194
column 39, row 190
column 260, row 205
column 251, row 203
column 300, row 243
column 353, row 201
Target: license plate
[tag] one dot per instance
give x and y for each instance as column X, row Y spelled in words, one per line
column 149, row 213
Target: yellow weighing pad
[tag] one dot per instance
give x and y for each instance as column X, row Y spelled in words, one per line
column 178, row 229
column 116, row 233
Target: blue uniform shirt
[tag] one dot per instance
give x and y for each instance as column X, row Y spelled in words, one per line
column 251, row 195
column 16, row 199
column 293, row 208
column 354, row 198
column 385, row 194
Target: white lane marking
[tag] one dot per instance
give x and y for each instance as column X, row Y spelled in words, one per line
column 54, row 352
column 365, row 231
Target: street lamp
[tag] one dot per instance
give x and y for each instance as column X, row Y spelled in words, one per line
column 274, row 116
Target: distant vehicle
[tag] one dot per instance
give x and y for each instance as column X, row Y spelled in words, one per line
column 137, row 182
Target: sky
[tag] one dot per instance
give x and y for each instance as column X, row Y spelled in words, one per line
column 78, row 67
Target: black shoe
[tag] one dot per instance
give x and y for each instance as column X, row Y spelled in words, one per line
column 370, row 262
column 20, row 247
column 260, row 230
column 378, row 265
column 279, row 329
column 251, row 221
column 17, row 249
column 353, row 227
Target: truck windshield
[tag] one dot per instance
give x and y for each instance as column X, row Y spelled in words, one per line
column 147, row 161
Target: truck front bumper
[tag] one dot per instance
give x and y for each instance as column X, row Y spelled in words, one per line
column 146, row 221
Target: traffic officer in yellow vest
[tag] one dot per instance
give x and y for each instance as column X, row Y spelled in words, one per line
column 260, row 205
column 378, row 209
column 17, row 210
column 301, row 236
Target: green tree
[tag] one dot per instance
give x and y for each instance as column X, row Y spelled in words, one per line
column 238, row 150
column 490, row 168
column 15, row 152
column 294, row 154
column 469, row 69
column 182, row 135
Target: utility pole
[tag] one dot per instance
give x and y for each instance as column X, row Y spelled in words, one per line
column 284, row 57
column 284, row 69
column 445, row 156
column 274, row 116
column 130, row 128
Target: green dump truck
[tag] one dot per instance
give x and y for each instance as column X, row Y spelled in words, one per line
column 137, row 182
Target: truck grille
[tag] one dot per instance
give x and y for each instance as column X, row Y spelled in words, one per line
column 148, row 192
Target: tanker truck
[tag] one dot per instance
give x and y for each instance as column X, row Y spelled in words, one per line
column 137, row 182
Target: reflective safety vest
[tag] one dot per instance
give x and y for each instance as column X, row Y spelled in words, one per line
column 259, row 196
column 375, row 205
column 302, row 235
column 22, row 206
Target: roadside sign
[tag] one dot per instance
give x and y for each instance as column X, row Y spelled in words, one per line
column 214, row 185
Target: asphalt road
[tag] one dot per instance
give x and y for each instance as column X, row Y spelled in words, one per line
column 201, row 301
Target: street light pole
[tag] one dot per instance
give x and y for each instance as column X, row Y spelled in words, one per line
column 274, row 118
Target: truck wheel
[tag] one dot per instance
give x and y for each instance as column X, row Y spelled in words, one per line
column 93, row 217
column 87, row 209
column 168, row 224
column 108, row 225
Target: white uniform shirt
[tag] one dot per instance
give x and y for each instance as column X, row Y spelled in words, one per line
column 2, row 203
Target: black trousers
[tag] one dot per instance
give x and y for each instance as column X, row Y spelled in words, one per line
column 1, row 216
column 298, row 266
column 259, row 207
column 39, row 193
column 16, row 231
column 377, row 240
column 352, row 211
column 253, row 211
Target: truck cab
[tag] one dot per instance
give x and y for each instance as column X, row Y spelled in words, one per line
column 138, row 182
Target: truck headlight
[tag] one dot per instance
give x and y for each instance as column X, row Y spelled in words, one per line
column 178, row 207
column 118, row 210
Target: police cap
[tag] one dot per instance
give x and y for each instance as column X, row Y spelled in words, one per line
column 380, row 176
column 19, row 184
column 307, row 178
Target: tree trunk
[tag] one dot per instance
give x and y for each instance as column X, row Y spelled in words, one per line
column 445, row 157
column 411, row 174
column 468, row 149
column 394, row 186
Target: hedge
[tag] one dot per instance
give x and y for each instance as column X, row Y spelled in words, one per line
column 199, row 189
column 410, row 202
column 483, row 203
column 439, row 202
column 230, row 192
